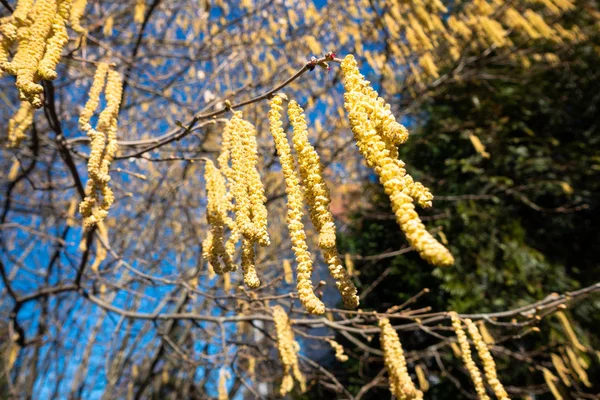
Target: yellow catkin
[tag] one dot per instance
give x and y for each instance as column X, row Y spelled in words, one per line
column 568, row 329
column 426, row 62
column 550, row 379
column 349, row 264
column 100, row 249
column 478, row 146
column 561, row 368
column 487, row 336
column 423, row 382
column 318, row 199
column 77, row 11
column 466, row 356
column 250, row 277
column 19, row 124
column 223, row 393
column 489, row 366
column 31, row 51
column 288, row 352
column 455, row 349
column 339, row 351
column 401, row 384
column 306, row 292
column 139, row 11
column 390, row 170
column 216, row 214
column 104, row 146
column 14, row 170
column 227, row 283
column 288, row 274
column 252, row 367
column 577, row 367
column 56, row 41
column 247, row 188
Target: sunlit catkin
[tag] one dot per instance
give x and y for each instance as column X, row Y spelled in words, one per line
column 489, row 366
column 568, row 329
column 57, row 39
column 339, row 351
column 550, row 381
column 215, row 216
column 19, row 124
column 318, row 199
column 401, row 384
column 247, row 188
column 380, row 156
column 77, row 11
column 466, row 356
column 103, row 146
column 577, row 367
column 250, row 277
column 288, row 352
column 31, row 51
column 561, row 368
column 306, row 292
column 423, row 383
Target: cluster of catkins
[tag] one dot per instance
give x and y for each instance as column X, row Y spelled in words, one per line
column 39, row 30
column 288, row 352
column 237, row 171
column 489, row 366
column 316, row 195
column 235, row 186
column 377, row 134
column 103, row 143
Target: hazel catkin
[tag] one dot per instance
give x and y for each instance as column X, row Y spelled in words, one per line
column 306, row 292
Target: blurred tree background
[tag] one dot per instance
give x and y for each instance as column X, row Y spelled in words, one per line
column 515, row 157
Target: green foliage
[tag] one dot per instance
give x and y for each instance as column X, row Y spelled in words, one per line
column 522, row 223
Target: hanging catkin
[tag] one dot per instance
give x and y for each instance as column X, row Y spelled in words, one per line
column 401, row 384
column 318, row 200
column 294, row 211
column 103, row 144
column 381, row 157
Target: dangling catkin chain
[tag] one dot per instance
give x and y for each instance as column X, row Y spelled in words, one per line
column 247, row 188
column 294, row 213
column 288, row 352
column 103, row 144
column 318, row 199
column 19, row 123
column 215, row 216
column 401, row 384
column 41, row 33
column 466, row 356
column 339, row 351
column 389, row 169
column 489, row 366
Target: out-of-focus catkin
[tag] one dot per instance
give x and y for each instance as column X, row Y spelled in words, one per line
column 465, row 350
column 550, row 381
column 489, row 366
column 568, row 329
column 222, row 391
column 288, row 352
column 19, row 124
column 250, row 277
column 382, row 158
column 401, row 384
column 318, row 199
column 306, row 292
column 339, row 350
